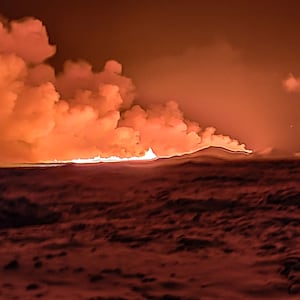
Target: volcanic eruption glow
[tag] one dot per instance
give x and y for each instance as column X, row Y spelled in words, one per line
column 81, row 115
column 149, row 155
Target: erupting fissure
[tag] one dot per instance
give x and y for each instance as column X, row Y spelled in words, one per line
column 149, row 155
column 81, row 113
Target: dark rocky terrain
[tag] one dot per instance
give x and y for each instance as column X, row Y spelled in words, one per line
column 183, row 228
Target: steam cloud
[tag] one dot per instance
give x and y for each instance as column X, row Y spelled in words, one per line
column 80, row 112
column 292, row 84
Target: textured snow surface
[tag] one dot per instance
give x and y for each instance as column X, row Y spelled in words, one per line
column 182, row 228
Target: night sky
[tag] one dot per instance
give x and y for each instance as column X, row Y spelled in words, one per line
column 133, row 31
column 223, row 61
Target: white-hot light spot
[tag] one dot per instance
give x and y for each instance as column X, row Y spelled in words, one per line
column 149, row 155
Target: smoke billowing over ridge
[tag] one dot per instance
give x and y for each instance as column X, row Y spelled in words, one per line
column 80, row 112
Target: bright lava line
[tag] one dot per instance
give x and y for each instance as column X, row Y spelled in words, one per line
column 149, row 155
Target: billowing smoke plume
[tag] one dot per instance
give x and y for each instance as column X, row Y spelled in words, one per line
column 81, row 113
column 292, row 84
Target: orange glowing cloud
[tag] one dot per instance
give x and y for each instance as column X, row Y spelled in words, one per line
column 26, row 39
column 292, row 84
column 81, row 113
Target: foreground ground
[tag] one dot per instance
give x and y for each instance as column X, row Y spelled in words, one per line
column 172, row 229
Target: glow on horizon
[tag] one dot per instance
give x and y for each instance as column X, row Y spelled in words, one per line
column 149, row 155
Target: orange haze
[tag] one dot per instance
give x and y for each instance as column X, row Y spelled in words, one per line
column 80, row 112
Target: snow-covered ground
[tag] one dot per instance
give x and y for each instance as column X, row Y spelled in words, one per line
column 182, row 228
